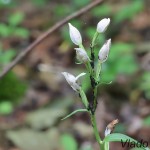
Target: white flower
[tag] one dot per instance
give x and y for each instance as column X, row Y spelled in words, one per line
column 102, row 25
column 82, row 56
column 104, row 51
column 75, row 35
column 107, row 131
column 72, row 80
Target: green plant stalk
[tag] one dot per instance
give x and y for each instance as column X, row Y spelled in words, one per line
column 104, row 145
column 93, row 121
column 81, row 46
column 95, row 97
column 96, row 133
column 88, row 67
column 93, row 74
column 94, row 39
column 92, row 50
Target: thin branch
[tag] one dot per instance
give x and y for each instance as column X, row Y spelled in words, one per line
column 46, row 34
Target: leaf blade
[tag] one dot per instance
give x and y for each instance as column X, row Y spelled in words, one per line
column 118, row 137
column 74, row 112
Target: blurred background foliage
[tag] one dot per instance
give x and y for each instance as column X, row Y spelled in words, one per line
column 34, row 96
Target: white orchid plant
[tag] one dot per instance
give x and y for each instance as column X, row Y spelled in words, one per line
column 93, row 65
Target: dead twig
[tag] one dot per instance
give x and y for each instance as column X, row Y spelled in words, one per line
column 46, row 34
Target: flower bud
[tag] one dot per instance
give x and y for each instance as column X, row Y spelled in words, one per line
column 82, row 56
column 75, row 35
column 72, row 80
column 104, row 51
column 102, row 25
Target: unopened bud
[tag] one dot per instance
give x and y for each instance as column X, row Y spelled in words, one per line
column 102, row 25
column 82, row 55
column 75, row 35
column 104, row 51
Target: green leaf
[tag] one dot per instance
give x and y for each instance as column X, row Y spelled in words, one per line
column 118, row 137
column 120, row 49
column 6, row 107
column 121, row 61
column 114, row 137
column 144, row 84
column 11, row 82
column 68, row 142
column 86, row 84
column 62, row 10
column 102, row 10
column 108, row 73
column 39, row 3
column 127, row 65
column 129, row 11
column 6, row 56
column 5, row 31
column 74, row 112
column 137, row 148
column 8, row 4
column 83, row 98
column 80, row 3
column 146, row 121
column 16, row 19
column 21, row 32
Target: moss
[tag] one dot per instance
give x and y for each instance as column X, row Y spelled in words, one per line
column 11, row 88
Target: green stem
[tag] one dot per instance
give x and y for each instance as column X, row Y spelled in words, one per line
column 94, row 78
column 88, row 67
column 96, row 133
column 81, row 46
column 94, row 39
column 104, row 145
column 92, row 49
column 95, row 97
column 92, row 74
